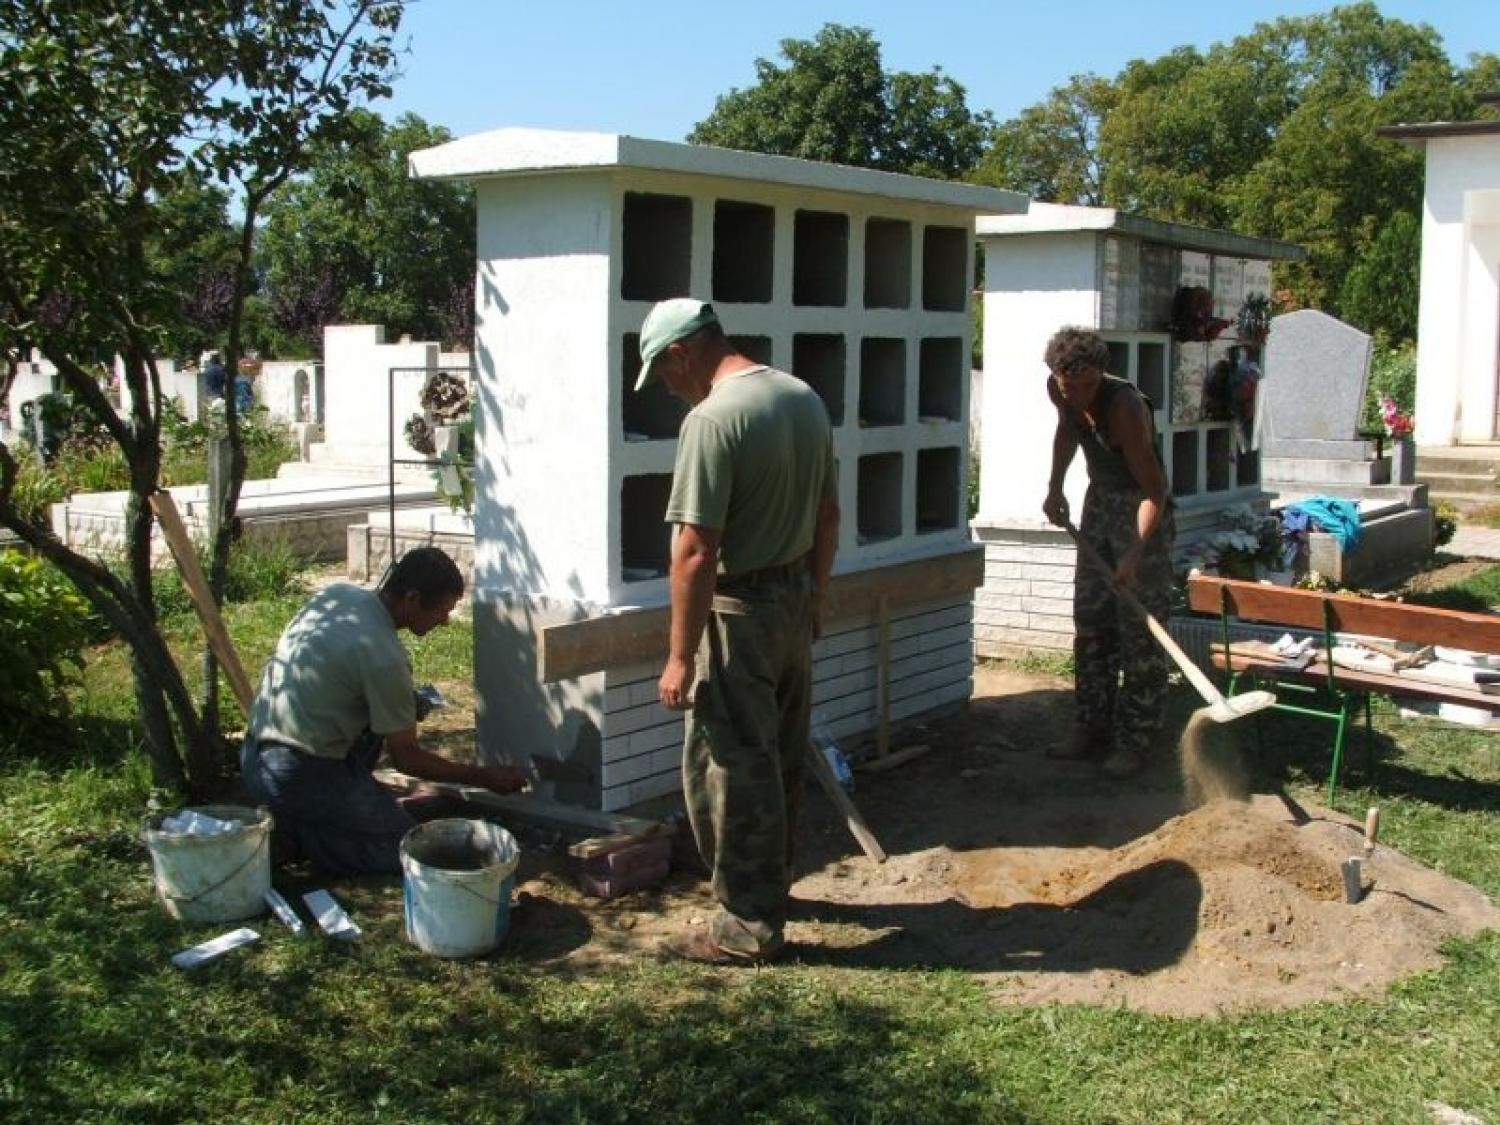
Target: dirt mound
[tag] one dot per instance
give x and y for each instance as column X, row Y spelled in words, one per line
column 1054, row 886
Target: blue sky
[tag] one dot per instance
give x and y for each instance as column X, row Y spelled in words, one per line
column 654, row 69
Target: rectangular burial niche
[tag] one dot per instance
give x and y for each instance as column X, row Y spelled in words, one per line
column 651, row 414
column 887, row 264
column 818, row 360
column 657, row 246
column 937, row 489
column 1119, row 359
column 1247, row 468
column 744, row 241
column 1185, row 463
column 879, row 497
column 1218, row 460
column 945, row 269
column 882, row 381
column 1151, row 372
column 940, row 387
column 757, row 348
column 820, row 258
column 645, row 536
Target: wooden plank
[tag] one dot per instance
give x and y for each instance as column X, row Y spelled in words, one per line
column 893, row 759
column 1379, row 683
column 637, row 636
column 197, row 587
column 603, row 845
column 531, row 809
column 1425, row 625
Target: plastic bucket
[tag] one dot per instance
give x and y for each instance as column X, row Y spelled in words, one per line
column 458, row 876
column 220, row 878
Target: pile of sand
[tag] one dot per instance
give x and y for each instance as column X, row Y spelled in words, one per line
column 1233, row 905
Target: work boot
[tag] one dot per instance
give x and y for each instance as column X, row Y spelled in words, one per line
column 1085, row 744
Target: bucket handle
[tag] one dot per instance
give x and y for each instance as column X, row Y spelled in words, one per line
column 212, row 887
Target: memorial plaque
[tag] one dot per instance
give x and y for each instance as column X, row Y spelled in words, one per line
column 1158, row 284
column 1229, row 287
column 1195, row 270
column 1120, row 285
column 1257, row 277
column 1189, row 372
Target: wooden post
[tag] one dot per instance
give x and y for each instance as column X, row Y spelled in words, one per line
column 197, row 587
column 883, row 677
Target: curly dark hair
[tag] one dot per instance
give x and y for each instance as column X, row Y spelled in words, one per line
column 1073, row 348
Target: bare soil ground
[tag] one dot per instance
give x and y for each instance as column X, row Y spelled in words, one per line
column 1052, row 884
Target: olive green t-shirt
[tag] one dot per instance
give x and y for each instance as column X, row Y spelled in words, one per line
column 754, row 459
column 338, row 670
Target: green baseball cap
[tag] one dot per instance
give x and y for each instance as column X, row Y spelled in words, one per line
column 670, row 321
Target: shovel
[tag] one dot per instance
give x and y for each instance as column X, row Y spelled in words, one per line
column 1220, row 709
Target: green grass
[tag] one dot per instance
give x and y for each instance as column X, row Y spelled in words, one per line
column 1478, row 593
column 95, row 1025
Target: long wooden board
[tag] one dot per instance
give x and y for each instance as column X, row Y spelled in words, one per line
column 1424, row 625
column 1379, row 683
column 530, row 809
column 636, row 636
column 198, row 591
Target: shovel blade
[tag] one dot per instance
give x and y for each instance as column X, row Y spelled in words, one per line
column 1238, row 706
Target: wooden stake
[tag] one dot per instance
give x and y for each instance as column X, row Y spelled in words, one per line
column 203, row 601
column 883, row 674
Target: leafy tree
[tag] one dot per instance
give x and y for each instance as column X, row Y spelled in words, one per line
column 1381, row 290
column 1051, row 151
column 835, row 101
column 112, row 106
column 358, row 239
column 194, row 254
column 1271, row 134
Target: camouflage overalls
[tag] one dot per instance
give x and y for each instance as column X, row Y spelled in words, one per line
column 1120, row 671
column 744, row 752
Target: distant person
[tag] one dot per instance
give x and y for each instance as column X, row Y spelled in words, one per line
column 754, row 504
column 1120, row 671
column 214, row 376
column 336, row 692
column 244, row 394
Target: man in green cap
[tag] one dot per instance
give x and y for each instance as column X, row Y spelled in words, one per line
column 755, row 508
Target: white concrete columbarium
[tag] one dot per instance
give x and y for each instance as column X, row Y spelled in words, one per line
column 856, row 281
column 1458, row 322
column 1182, row 310
column 184, row 384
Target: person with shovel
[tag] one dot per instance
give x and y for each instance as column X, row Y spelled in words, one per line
column 754, row 504
column 1126, row 530
column 336, row 692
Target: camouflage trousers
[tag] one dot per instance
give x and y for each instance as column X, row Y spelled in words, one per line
column 746, row 745
column 1120, row 671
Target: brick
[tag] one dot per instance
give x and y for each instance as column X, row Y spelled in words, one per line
column 614, row 886
column 633, row 857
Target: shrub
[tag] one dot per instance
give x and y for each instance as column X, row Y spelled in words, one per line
column 259, row 569
column 1444, row 523
column 48, row 623
column 1393, row 373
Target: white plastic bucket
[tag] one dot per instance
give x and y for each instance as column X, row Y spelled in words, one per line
column 218, row 878
column 458, row 876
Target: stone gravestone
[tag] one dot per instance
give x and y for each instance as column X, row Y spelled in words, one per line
column 1317, row 368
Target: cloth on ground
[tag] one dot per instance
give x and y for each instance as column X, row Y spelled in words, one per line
column 1339, row 518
